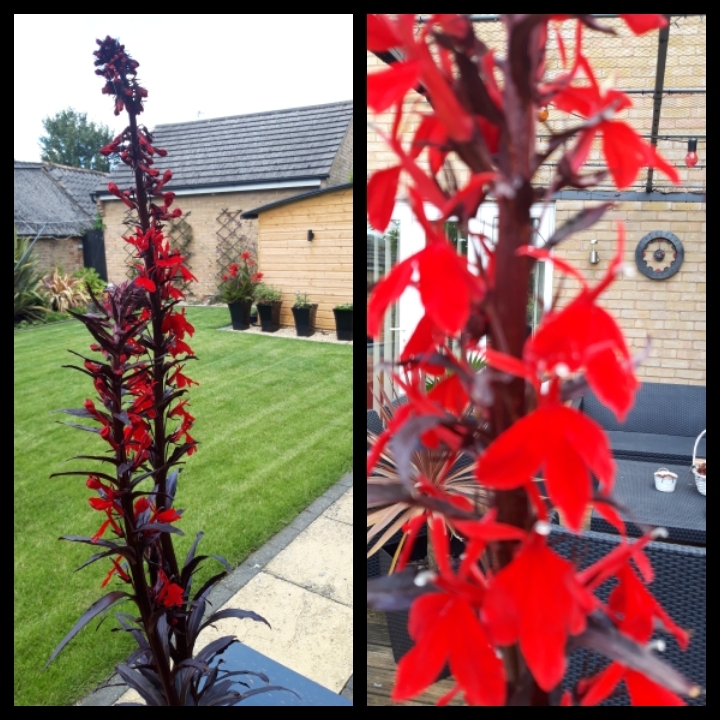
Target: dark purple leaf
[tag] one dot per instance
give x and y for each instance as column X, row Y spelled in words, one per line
column 266, row 688
column 127, row 552
column 136, row 681
column 205, row 589
column 261, row 675
column 406, row 441
column 78, row 412
column 160, row 527
column 394, row 493
column 584, row 219
column 95, row 609
column 105, row 543
column 603, row 637
column 395, row 592
column 192, row 565
column 231, row 612
column 105, row 476
column 101, row 458
column 123, row 418
column 79, row 427
column 215, row 648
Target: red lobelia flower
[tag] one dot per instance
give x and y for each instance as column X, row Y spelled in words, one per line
column 565, row 444
column 625, row 151
column 537, row 601
column 584, row 336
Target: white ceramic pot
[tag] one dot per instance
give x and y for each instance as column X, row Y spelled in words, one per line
column 665, row 480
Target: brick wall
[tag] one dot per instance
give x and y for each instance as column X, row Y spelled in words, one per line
column 203, row 219
column 64, row 252
column 671, row 311
column 343, row 163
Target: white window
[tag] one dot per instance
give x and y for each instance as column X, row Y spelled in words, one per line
column 404, row 238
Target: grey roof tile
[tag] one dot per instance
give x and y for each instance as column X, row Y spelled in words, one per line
column 296, row 143
column 54, row 199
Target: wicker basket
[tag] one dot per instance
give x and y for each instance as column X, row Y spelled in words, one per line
column 699, row 479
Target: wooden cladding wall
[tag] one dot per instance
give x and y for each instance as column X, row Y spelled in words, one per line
column 322, row 267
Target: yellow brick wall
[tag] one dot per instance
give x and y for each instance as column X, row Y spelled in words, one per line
column 671, row 311
column 322, row 268
column 64, row 252
column 201, row 213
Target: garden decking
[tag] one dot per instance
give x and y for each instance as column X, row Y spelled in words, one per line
column 381, row 668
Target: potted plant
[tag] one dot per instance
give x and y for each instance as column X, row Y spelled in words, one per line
column 237, row 289
column 388, row 521
column 268, row 303
column 304, row 313
column 344, row 321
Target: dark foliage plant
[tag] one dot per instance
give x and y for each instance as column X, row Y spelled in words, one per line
column 139, row 377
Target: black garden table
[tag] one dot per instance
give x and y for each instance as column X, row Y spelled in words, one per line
column 681, row 512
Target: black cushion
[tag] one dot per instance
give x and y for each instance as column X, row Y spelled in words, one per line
column 660, row 408
column 650, row 446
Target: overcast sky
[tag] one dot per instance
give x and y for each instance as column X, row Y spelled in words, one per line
column 215, row 65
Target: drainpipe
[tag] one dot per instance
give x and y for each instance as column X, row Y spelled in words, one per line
column 657, row 95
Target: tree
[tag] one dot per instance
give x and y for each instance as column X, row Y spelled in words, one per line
column 72, row 140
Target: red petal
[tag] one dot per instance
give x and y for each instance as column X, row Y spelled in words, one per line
column 386, row 292
column 567, row 481
column 381, row 34
column 645, row 692
column 603, row 684
column 450, row 394
column 614, row 385
column 542, row 618
column 473, row 662
column 421, row 666
column 502, row 466
column 423, row 340
column 389, row 86
column 445, row 287
column 381, row 191
column 640, row 24
column 146, row 283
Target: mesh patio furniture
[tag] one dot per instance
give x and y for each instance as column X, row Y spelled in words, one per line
column 661, row 427
column 679, row 587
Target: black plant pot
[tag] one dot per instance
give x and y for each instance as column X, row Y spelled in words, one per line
column 343, row 324
column 240, row 314
column 269, row 316
column 304, row 320
column 397, row 621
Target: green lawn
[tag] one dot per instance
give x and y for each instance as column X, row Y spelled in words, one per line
column 274, row 425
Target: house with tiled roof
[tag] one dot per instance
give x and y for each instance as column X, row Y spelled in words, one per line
column 54, row 207
column 223, row 167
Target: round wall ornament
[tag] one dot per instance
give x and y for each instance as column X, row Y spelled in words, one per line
column 659, row 254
